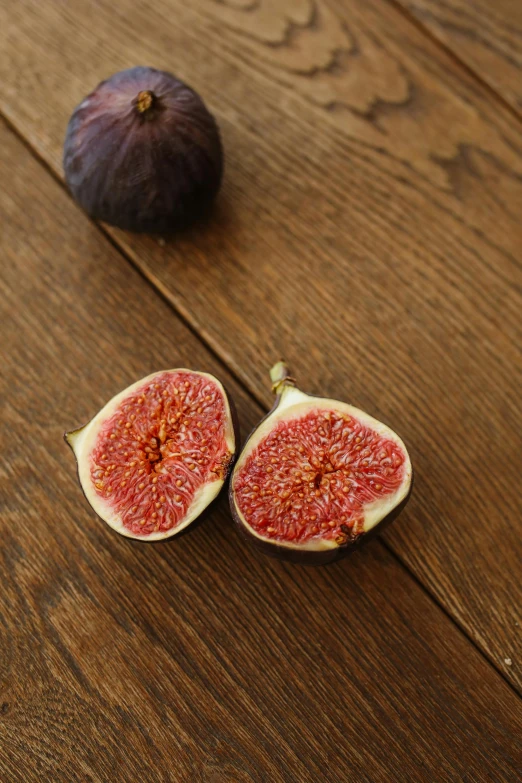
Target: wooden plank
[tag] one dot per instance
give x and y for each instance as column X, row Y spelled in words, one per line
column 193, row 660
column 366, row 231
column 486, row 36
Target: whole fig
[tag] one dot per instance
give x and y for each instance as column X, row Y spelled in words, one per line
column 143, row 152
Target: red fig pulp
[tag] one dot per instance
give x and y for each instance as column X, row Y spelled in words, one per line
column 157, row 454
column 317, row 476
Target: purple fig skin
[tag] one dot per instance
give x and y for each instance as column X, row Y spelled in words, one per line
column 306, row 556
column 207, row 512
column 142, row 152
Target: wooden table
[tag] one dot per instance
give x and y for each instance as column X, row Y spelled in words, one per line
column 370, row 231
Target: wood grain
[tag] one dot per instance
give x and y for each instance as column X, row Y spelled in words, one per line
column 486, row 36
column 368, row 231
column 192, row 660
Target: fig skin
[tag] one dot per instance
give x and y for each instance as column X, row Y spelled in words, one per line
column 143, row 153
column 301, row 556
column 206, row 512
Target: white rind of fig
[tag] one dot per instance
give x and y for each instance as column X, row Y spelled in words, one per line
column 83, row 440
column 291, row 403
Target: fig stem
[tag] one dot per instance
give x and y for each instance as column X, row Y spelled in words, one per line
column 145, row 100
column 280, row 377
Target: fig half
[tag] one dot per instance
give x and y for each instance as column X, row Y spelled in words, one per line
column 317, row 476
column 158, row 453
column 143, row 152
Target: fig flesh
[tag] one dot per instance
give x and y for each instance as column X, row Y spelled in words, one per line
column 158, row 453
column 317, row 477
column 143, row 152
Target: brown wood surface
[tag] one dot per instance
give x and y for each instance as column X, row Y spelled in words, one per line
column 193, row 660
column 485, row 34
column 368, row 231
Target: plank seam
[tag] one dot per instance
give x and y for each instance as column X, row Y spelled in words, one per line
column 410, row 18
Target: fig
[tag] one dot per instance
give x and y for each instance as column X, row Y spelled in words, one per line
column 143, row 152
column 317, row 477
column 158, row 453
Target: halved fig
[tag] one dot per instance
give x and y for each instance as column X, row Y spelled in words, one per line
column 317, row 476
column 158, row 453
